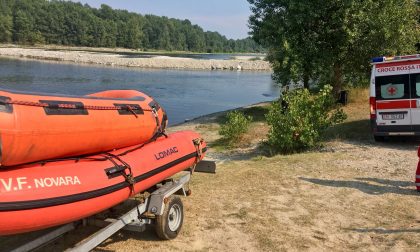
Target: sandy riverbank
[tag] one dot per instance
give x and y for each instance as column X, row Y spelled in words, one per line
column 120, row 59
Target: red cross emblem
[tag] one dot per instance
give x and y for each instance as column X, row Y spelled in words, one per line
column 392, row 90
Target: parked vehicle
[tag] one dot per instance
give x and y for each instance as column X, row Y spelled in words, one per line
column 395, row 96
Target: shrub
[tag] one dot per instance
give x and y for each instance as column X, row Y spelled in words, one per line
column 235, row 126
column 302, row 124
column 255, row 58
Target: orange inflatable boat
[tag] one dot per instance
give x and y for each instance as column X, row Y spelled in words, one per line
column 37, row 196
column 37, row 127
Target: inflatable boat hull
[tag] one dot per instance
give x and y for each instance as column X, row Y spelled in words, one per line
column 37, row 127
column 35, row 197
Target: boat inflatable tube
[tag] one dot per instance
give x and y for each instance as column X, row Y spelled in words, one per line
column 37, row 127
column 38, row 196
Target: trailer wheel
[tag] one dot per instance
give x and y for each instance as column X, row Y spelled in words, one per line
column 169, row 224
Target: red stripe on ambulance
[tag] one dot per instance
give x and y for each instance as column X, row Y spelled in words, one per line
column 400, row 104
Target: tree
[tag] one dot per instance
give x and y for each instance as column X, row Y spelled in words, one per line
column 23, row 27
column 331, row 41
column 6, row 28
column 195, row 39
column 6, row 20
column 418, row 18
column 69, row 23
column 303, row 124
column 133, row 33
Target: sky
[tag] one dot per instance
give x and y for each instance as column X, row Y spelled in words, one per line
column 228, row 17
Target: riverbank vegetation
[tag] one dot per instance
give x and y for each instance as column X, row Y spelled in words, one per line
column 235, row 126
column 332, row 41
column 320, row 199
column 299, row 122
column 69, row 23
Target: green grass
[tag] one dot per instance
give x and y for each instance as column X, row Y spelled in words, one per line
column 257, row 129
column 355, row 128
column 256, row 112
column 255, row 59
column 357, row 125
column 358, row 130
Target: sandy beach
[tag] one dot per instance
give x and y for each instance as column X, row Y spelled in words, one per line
column 107, row 58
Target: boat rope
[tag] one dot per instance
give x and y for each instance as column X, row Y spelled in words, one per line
column 160, row 129
column 129, row 178
column 198, row 143
column 132, row 111
column 74, row 106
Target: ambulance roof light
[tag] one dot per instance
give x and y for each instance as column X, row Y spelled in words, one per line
column 383, row 59
column 378, row 59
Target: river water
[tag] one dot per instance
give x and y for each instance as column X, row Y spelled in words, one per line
column 183, row 94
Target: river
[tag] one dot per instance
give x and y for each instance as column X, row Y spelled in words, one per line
column 183, row 94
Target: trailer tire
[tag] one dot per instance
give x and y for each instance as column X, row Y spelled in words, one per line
column 169, row 224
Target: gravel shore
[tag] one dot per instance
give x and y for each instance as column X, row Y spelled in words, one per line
column 109, row 59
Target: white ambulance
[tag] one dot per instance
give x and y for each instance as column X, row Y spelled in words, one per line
column 395, row 96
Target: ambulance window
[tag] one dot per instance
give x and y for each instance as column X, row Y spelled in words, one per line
column 417, row 81
column 392, row 87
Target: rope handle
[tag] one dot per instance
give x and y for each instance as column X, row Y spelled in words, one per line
column 129, row 177
column 73, row 106
column 198, row 143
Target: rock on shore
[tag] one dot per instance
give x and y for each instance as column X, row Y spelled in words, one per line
column 122, row 60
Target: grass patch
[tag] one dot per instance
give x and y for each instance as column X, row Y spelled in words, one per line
column 256, row 133
column 357, row 125
column 256, row 112
column 355, row 128
column 358, row 96
column 219, row 145
column 255, row 59
column 358, row 130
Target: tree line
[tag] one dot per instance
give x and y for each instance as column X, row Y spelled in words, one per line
column 333, row 41
column 68, row 23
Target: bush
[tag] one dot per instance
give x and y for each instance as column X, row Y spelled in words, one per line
column 255, row 59
column 236, row 125
column 301, row 125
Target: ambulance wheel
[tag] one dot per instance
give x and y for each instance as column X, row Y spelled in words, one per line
column 169, row 224
column 379, row 138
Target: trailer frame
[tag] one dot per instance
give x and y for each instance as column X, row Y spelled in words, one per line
column 136, row 219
